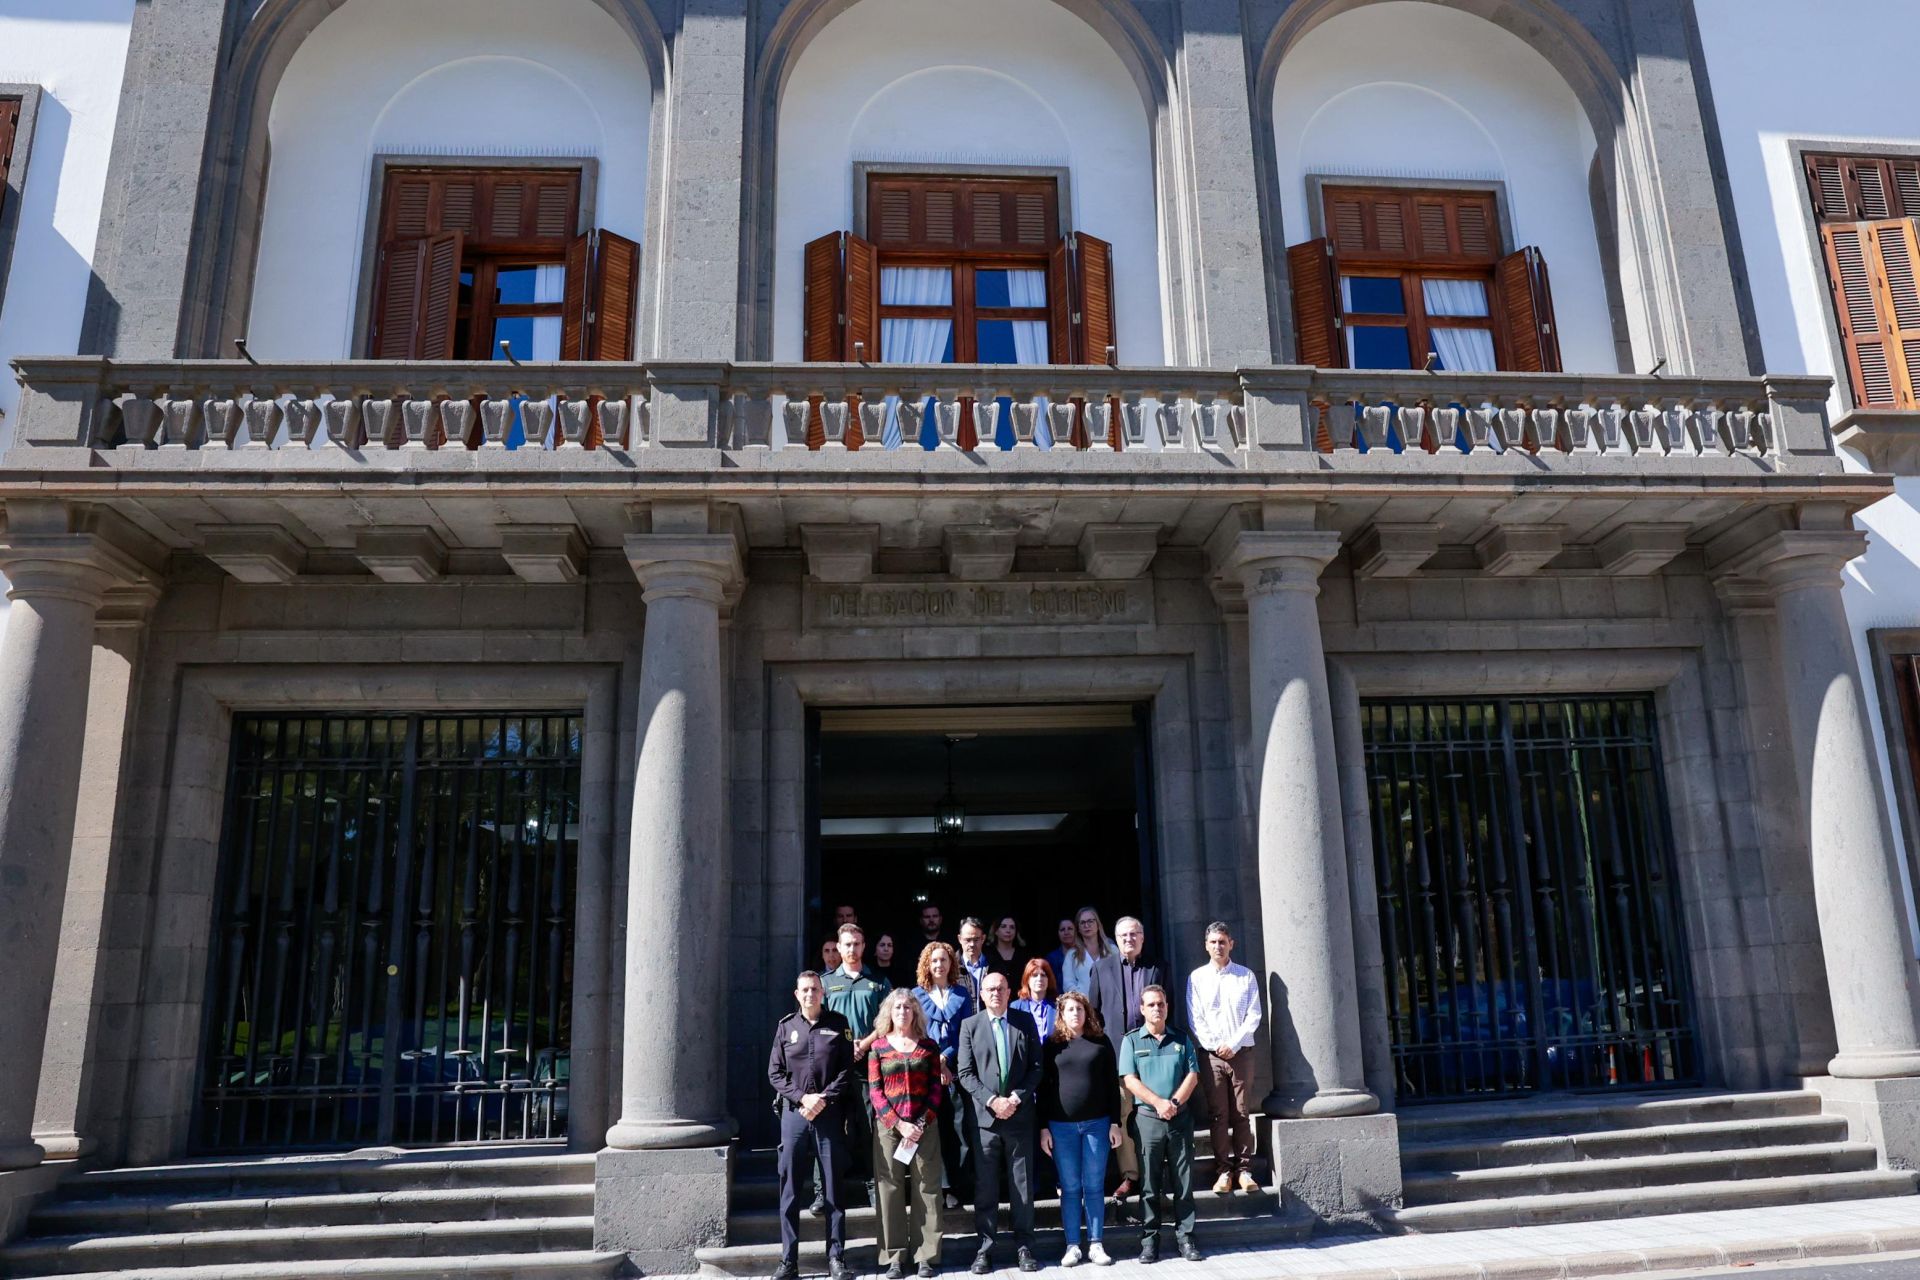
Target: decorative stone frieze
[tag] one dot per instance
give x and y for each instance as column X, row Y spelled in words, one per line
column 1513, row 550
column 1636, row 550
column 1118, row 550
column 840, row 552
column 978, row 552
column 544, row 553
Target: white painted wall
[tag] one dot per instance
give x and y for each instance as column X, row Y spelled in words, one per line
column 970, row 82
column 75, row 50
column 482, row 78
column 1780, row 73
column 1412, row 90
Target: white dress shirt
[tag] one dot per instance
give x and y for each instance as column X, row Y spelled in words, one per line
column 1223, row 1006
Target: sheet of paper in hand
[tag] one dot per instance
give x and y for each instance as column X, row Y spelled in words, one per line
column 905, row 1151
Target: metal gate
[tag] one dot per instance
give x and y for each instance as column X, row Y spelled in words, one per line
column 1529, row 920
column 393, row 951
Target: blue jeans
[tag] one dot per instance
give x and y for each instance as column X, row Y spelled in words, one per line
column 1080, row 1155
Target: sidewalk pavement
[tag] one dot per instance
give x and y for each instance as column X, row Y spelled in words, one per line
column 1622, row 1247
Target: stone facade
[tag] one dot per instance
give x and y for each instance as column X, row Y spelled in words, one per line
column 694, row 587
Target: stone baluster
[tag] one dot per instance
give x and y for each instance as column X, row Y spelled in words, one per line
column 57, row 578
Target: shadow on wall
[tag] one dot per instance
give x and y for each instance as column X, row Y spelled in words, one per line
column 48, row 280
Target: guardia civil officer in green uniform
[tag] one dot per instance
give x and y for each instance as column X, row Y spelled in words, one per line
column 1161, row 1069
column 811, row 1070
column 856, row 993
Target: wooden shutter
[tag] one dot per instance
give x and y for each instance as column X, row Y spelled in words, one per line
column 1060, row 304
column 824, row 325
column 1863, row 188
column 1871, row 274
column 920, row 213
column 1316, row 304
column 1390, row 225
column 415, row 311
column 1093, row 298
column 9, row 130
column 860, row 293
column 602, row 288
column 1526, row 302
column 573, row 306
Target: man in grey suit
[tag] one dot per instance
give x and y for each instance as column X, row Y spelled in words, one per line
column 1000, row 1064
column 1114, row 988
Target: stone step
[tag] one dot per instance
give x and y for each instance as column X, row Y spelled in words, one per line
column 1652, row 1140
column 320, row 1247
column 1639, row 1171
column 163, row 1214
column 1636, row 1202
column 387, row 1170
column 1562, row 1115
column 761, row 1164
column 559, row 1265
column 1122, row 1238
column 759, row 1226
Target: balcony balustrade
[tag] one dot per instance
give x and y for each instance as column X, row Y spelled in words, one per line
column 1281, row 417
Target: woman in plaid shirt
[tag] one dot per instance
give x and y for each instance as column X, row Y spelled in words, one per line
column 904, row 1082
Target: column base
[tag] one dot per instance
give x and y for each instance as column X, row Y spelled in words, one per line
column 1885, row 1112
column 1338, row 1171
column 1871, row 1064
column 1322, row 1105
column 658, row 1206
column 21, row 1155
column 21, row 1190
column 668, row 1135
column 66, row 1145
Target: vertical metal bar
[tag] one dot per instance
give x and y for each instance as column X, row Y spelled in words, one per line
column 395, row 1039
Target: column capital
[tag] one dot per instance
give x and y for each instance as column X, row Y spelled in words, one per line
column 1792, row 560
column 700, row 566
column 1264, row 561
column 81, row 567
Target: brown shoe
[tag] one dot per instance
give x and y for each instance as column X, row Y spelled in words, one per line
column 1124, row 1190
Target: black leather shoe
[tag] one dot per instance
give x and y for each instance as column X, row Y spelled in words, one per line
column 1190, row 1251
column 837, row 1269
column 982, row 1261
column 788, row 1271
column 1026, row 1260
column 819, row 1205
column 1150, row 1250
column 896, row 1271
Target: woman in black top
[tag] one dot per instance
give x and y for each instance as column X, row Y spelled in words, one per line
column 1080, row 1104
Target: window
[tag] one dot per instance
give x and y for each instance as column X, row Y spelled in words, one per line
column 470, row 258
column 1416, row 279
column 9, row 128
column 16, row 127
column 1866, row 209
column 968, row 270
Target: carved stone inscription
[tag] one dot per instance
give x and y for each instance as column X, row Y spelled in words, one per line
column 971, row 604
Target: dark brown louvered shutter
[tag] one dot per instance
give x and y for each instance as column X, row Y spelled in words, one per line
column 1520, row 283
column 1863, row 188
column 1093, row 299
column 1316, row 305
column 9, row 131
column 1871, row 273
column 824, row 323
column 614, row 292
column 1389, row 225
column 573, row 306
column 860, row 293
column 1060, row 331
column 440, row 296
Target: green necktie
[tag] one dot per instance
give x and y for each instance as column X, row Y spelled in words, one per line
column 1000, row 1044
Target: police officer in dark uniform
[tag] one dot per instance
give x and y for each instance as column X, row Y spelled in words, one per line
column 812, row 1072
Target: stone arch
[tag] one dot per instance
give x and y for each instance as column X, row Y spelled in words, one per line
column 1143, row 52
column 1599, row 83
column 232, row 197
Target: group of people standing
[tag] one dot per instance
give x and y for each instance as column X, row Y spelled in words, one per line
column 957, row 1087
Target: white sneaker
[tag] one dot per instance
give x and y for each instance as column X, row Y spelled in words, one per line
column 1071, row 1258
column 1098, row 1256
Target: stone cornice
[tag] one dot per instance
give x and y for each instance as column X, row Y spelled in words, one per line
column 1889, row 439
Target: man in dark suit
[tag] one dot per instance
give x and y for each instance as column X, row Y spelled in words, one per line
column 1114, row 987
column 1000, row 1064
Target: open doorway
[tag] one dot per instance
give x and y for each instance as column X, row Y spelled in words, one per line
column 983, row 811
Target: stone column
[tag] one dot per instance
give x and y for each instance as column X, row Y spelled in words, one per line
column 57, row 580
column 663, row 1181
column 68, row 1066
column 1333, row 1157
column 1871, row 973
